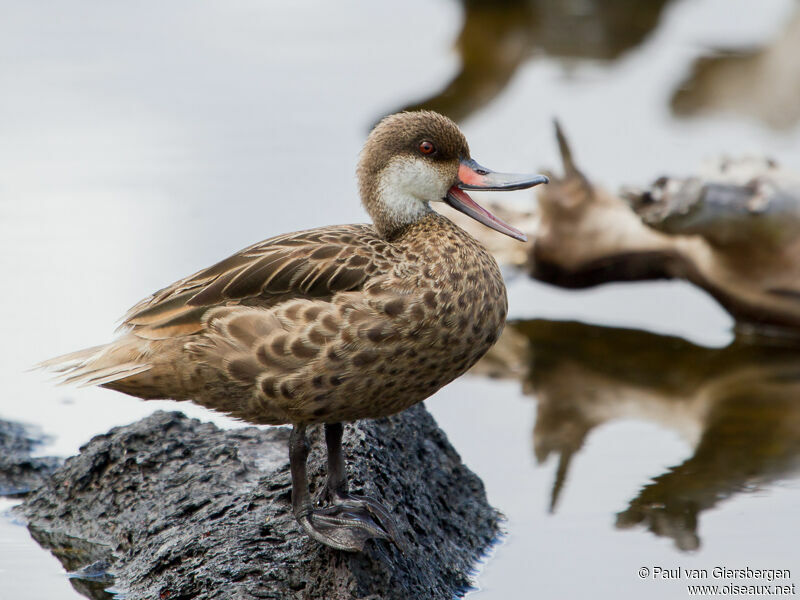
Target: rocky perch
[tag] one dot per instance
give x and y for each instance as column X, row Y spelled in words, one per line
column 175, row 508
column 19, row 471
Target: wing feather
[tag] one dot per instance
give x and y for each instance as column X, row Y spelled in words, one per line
column 312, row 264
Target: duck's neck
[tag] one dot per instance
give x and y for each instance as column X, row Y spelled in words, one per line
column 397, row 213
column 395, row 198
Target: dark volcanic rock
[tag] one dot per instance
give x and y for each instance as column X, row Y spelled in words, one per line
column 182, row 509
column 19, row 472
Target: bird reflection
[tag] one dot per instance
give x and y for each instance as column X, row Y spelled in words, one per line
column 498, row 37
column 761, row 83
column 737, row 406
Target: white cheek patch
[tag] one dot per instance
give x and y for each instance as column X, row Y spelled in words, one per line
column 407, row 185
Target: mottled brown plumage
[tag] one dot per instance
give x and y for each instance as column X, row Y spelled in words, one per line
column 327, row 325
column 331, row 324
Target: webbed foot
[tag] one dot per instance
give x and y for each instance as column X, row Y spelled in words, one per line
column 347, row 521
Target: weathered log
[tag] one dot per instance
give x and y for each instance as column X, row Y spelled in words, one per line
column 733, row 230
column 182, row 509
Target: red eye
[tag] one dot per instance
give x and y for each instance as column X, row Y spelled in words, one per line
column 427, row 147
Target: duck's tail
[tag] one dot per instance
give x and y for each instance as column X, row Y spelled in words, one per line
column 100, row 365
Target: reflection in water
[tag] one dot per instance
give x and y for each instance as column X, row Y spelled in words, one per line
column 497, row 37
column 75, row 554
column 763, row 83
column 738, row 406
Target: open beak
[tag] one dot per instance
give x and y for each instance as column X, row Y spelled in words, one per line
column 472, row 176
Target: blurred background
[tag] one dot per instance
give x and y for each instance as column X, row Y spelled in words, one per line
column 619, row 426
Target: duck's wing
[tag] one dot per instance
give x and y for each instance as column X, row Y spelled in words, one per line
column 316, row 263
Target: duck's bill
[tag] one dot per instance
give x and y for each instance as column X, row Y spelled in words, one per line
column 472, row 176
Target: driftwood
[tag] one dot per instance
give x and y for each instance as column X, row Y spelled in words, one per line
column 733, row 231
column 735, row 406
column 175, row 508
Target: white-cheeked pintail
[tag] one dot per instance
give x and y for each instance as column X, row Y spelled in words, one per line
column 331, row 324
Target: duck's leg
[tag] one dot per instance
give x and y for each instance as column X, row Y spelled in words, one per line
column 338, row 489
column 343, row 525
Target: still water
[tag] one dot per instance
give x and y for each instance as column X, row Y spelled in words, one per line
column 617, row 428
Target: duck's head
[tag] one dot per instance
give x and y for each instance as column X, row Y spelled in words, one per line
column 411, row 159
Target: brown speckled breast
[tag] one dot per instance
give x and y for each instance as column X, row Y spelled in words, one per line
column 409, row 333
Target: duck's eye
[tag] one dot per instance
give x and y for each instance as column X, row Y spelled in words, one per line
column 427, row 147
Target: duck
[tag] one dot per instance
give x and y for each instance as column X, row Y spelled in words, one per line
column 330, row 325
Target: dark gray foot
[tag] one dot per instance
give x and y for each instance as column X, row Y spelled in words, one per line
column 348, row 521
